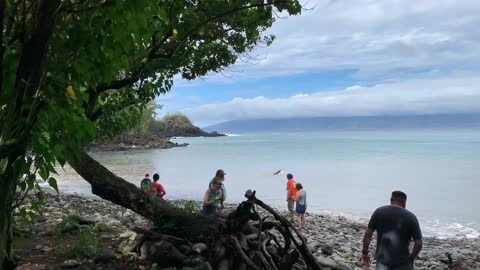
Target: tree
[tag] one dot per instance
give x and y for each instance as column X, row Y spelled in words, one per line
column 71, row 71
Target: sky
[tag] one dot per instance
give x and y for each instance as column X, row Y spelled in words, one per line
column 348, row 58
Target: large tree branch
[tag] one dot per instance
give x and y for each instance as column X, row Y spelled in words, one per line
column 135, row 75
column 108, row 186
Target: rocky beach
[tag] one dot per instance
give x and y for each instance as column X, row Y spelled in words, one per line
column 82, row 233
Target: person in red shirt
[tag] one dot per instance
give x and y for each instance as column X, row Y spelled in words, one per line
column 156, row 189
column 291, row 192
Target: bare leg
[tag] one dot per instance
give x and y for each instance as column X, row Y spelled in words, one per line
column 302, row 220
column 291, row 205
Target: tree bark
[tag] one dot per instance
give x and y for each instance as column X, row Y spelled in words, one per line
column 110, row 187
column 19, row 119
column 8, row 179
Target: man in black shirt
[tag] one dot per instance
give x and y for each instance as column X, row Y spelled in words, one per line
column 395, row 227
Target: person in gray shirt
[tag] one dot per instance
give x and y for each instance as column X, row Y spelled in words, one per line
column 396, row 227
column 301, row 205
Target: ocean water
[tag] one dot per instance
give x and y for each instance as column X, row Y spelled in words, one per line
column 347, row 173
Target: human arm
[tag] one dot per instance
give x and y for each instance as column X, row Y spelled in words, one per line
column 417, row 238
column 367, row 237
column 161, row 191
column 417, row 246
column 223, row 197
column 208, row 202
column 224, row 193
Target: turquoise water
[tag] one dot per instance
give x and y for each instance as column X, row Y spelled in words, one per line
column 348, row 173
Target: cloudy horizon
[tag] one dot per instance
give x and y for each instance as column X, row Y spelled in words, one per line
column 367, row 57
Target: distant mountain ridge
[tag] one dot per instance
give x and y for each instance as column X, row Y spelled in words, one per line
column 350, row 123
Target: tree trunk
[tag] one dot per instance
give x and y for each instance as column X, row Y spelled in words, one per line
column 110, row 187
column 20, row 116
column 10, row 172
column 7, row 192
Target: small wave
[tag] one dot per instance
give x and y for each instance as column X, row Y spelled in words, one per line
column 431, row 227
column 232, row 135
column 442, row 230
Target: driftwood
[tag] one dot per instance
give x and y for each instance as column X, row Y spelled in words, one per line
column 310, row 260
column 248, row 242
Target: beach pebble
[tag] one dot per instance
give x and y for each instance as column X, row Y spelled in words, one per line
column 326, row 262
column 69, row 264
column 199, row 248
column 327, row 249
column 104, row 255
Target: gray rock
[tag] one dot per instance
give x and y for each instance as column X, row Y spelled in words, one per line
column 41, row 219
column 223, row 265
column 113, row 223
column 128, row 234
column 70, row 264
column 70, row 227
column 105, row 255
column 327, row 262
column 47, row 249
column 344, row 266
column 199, row 248
column 327, row 249
column 162, row 252
column 197, row 260
column 82, row 220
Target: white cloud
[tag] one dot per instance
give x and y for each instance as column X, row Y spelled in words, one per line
column 456, row 94
column 377, row 38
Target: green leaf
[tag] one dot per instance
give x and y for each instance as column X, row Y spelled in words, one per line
column 23, row 212
column 43, row 173
column 35, row 206
column 31, row 181
column 53, row 183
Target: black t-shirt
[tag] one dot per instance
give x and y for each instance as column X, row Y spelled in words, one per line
column 395, row 227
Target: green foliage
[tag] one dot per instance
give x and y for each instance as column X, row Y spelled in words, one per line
column 189, row 206
column 69, row 224
column 177, row 120
column 85, row 244
column 83, row 238
column 192, row 207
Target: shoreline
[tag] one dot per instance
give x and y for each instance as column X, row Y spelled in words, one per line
column 147, row 142
column 334, row 240
column 432, row 226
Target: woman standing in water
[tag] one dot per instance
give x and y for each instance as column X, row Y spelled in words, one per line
column 301, row 205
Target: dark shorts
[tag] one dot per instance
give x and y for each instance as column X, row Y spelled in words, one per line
column 400, row 267
column 300, row 209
